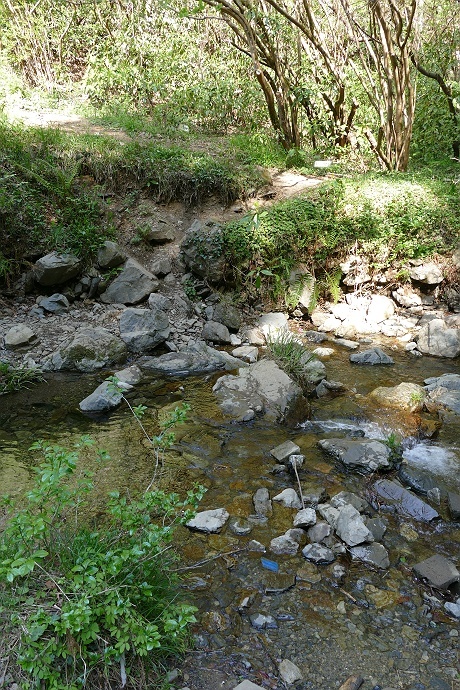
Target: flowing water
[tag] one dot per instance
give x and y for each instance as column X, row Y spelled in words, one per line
column 331, row 621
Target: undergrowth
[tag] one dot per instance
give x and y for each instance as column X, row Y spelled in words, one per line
column 387, row 219
column 90, row 605
column 290, row 354
column 15, row 378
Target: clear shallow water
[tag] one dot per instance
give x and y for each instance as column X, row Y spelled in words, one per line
column 369, row 623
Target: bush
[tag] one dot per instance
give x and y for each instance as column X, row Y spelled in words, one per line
column 90, row 605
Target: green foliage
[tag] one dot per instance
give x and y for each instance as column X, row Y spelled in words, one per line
column 91, row 605
column 387, row 218
column 288, row 351
column 15, row 378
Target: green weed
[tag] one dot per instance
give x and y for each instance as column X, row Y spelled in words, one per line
column 15, row 378
column 290, row 355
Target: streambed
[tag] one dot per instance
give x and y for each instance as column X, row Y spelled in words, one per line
column 331, row 621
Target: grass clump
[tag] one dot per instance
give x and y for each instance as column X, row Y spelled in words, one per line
column 291, row 355
column 84, row 605
column 16, row 378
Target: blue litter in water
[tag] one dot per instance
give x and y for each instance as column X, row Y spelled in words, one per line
column 270, row 565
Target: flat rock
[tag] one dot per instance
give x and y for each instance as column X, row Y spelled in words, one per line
column 404, row 501
column 359, row 454
column 374, row 554
column 19, row 336
column 347, row 344
column 437, row 339
column 209, row 521
column 55, row 268
column 438, row 570
column 143, row 329
column 282, row 452
column 318, row 553
column 248, row 353
column 197, row 358
column 289, row 672
column 131, row 286
column 372, row 357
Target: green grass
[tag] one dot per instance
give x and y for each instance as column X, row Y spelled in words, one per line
column 13, row 378
column 290, row 355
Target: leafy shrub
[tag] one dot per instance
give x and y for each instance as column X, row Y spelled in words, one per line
column 91, row 605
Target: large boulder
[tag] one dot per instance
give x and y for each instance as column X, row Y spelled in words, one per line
column 358, row 454
column 262, row 386
column 55, row 268
column 202, row 251
column 427, row 274
column 88, row 350
column 133, row 285
column 437, row 339
column 406, row 396
column 380, row 309
column 143, row 329
column 228, row 315
column 195, row 359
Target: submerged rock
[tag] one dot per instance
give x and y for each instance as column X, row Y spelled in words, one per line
column 404, row 501
column 289, row 672
column 262, row 502
column 374, row 554
column 438, row 570
column 373, row 357
column 406, row 396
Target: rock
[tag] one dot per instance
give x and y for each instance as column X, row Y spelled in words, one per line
column 453, row 609
column 428, row 274
column 377, row 526
column 416, row 478
column 228, row 315
column 351, row 528
column 55, row 268
column 374, row 554
column 161, row 233
column 296, row 461
column 265, row 386
column 443, row 392
column 318, row 553
column 131, row 286
column 143, row 329
column 161, row 267
column 248, row 353
column 197, row 358
column 19, row 336
column 262, row 502
column 363, row 455
column 88, row 350
column 107, row 396
column 282, row 452
column 289, row 499
column 347, row 344
column 406, row 396
column 437, row 339
column 209, row 521
column 406, row 297
column 323, row 352
column 272, row 323
column 110, row 255
column 319, row 532
column 315, row 336
column 380, row 308
column 247, row 685
column 215, row 332
column 405, row 502
column 56, row 304
column 305, row 518
column 159, row 302
column 373, row 356
column 256, row 546
column 284, row 545
column 329, row 513
column 313, row 370
column 261, row 622
column 330, row 324
column 254, row 336
column 344, row 498
column 453, row 501
column 438, row 570
column 240, row 526
column 289, row 672
column 202, row 251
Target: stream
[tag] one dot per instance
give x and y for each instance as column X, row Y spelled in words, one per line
column 332, row 621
